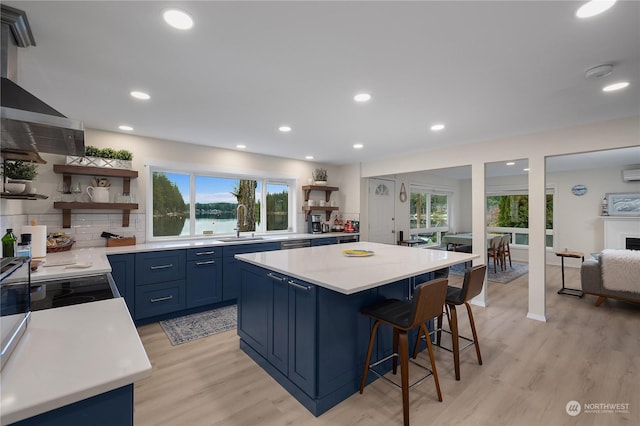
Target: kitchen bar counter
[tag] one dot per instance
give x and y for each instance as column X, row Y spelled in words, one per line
column 69, row 354
column 299, row 312
column 327, row 267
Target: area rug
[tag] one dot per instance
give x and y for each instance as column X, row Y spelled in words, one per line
column 502, row 277
column 195, row 326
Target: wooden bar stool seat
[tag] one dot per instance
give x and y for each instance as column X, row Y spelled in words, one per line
column 427, row 303
column 471, row 287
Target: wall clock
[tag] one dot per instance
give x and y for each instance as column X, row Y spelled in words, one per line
column 579, row 190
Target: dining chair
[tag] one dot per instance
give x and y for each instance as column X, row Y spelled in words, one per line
column 506, row 250
column 428, row 300
column 494, row 252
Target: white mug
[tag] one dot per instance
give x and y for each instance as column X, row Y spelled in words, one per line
column 311, row 203
column 98, row 194
column 322, row 203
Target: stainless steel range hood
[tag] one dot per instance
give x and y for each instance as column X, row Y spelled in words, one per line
column 29, row 124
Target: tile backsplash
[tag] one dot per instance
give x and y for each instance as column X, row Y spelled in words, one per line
column 85, row 227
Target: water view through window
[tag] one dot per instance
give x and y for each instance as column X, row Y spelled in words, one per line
column 220, row 205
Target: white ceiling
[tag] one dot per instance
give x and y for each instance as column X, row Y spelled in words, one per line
column 485, row 69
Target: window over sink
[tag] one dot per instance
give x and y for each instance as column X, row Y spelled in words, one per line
column 187, row 204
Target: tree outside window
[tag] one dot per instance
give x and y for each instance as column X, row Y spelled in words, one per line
column 213, row 210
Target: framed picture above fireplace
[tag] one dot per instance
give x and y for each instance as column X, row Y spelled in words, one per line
column 624, row 204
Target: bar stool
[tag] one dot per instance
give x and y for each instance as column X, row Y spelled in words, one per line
column 471, row 287
column 428, row 299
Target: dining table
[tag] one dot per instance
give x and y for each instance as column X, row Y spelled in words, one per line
column 463, row 239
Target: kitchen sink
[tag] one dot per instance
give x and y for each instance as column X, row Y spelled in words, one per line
column 231, row 239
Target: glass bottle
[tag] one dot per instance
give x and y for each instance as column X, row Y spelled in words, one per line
column 24, row 246
column 9, row 244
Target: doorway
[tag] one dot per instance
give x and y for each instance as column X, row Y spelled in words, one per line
column 381, row 209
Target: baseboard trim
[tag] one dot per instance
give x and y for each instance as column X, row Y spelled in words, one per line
column 537, row 317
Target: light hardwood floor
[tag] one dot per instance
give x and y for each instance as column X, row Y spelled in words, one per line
column 531, row 370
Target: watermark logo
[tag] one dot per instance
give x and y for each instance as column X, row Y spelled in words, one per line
column 573, row 408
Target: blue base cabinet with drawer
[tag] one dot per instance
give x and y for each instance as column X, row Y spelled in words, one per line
column 160, row 283
column 204, row 276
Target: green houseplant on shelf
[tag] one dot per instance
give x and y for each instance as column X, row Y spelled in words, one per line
column 19, row 176
column 320, row 177
column 105, row 157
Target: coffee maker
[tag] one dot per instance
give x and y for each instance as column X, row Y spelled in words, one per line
column 315, row 224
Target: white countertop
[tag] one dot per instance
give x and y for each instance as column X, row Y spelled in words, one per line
column 327, row 267
column 97, row 256
column 75, row 352
column 71, row 353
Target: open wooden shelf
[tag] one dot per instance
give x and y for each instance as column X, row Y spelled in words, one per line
column 12, row 196
column 94, row 171
column 326, row 189
column 68, row 170
column 327, row 209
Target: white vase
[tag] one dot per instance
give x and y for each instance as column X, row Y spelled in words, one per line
column 321, row 182
column 28, row 187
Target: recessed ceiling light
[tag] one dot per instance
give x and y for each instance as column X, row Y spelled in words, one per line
column 309, row 157
column 362, row 97
column 284, row 129
column 593, row 8
column 616, row 86
column 358, row 146
column 526, row 169
column 178, row 19
column 125, row 127
column 140, row 95
column 437, row 127
column 240, row 146
column 510, row 163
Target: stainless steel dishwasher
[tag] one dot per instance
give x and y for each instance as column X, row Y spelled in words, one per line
column 286, row 245
column 348, row 239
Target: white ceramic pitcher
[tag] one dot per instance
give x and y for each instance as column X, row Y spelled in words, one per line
column 98, row 194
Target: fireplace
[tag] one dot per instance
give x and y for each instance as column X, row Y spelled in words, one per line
column 632, row 243
column 620, row 231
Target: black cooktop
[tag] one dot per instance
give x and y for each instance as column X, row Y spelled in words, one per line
column 72, row 291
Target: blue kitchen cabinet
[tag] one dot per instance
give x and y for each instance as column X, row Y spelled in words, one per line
column 160, row 283
column 256, row 292
column 231, row 265
column 278, row 326
column 123, row 272
column 114, row 407
column 323, row 241
column 277, row 319
column 204, row 276
column 302, row 340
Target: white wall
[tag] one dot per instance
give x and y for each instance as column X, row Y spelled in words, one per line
column 149, row 151
column 577, row 220
column 611, row 134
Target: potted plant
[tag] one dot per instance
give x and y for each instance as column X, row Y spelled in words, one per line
column 19, row 175
column 320, row 176
column 105, row 157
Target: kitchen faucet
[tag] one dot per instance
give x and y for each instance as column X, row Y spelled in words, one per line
column 238, row 216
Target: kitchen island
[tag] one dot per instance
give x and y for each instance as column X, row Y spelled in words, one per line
column 299, row 312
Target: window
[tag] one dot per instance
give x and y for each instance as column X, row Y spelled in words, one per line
column 189, row 204
column 429, row 214
column 509, row 213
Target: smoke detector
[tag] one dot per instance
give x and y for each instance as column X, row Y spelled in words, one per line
column 598, row 71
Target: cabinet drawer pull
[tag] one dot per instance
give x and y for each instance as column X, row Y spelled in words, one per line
column 275, row 277
column 204, row 253
column 161, row 299
column 301, row 287
column 170, row 265
column 208, row 262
